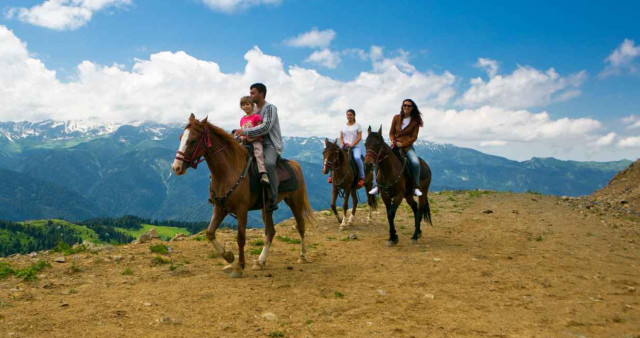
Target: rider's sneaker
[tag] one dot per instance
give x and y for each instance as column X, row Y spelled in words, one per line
column 373, row 191
column 360, row 183
column 330, row 180
column 264, row 179
column 417, row 192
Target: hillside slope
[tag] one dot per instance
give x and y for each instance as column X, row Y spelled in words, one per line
column 623, row 189
column 494, row 264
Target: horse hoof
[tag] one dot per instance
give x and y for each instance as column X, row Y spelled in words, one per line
column 228, row 256
column 342, row 227
column 257, row 266
column 414, row 241
column 236, row 274
column 227, row 269
column 302, row 260
column 391, row 244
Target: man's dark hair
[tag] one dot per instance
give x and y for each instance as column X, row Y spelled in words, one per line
column 352, row 111
column 260, row 88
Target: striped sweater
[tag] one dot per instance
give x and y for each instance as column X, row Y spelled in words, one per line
column 269, row 129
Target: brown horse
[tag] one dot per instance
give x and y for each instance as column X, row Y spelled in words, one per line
column 343, row 176
column 228, row 163
column 393, row 184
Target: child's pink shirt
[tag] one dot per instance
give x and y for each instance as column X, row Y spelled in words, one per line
column 249, row 121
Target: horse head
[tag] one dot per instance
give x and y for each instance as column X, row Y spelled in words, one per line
column 374, row 145
column 194, row 142
column 330, row 155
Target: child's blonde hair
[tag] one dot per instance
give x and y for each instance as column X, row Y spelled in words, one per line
column 245, row 99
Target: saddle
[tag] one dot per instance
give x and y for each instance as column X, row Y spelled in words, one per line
column 286, row 177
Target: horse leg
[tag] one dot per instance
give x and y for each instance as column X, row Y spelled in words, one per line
column 270, row 232
column 371, row 200
column 334, row 196
column 242, row 226
column 216, row 218
column 354, row 201
column 296, row 209
column 345, row 210
column 392, row 207
column 417, row 217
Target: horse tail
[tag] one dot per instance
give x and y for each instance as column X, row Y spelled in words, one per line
column 307, row 211
column 372, row 201
column 425, row 211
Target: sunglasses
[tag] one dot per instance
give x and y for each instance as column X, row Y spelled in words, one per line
column 407, row 105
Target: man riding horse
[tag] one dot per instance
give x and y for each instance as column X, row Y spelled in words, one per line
column 271, row 136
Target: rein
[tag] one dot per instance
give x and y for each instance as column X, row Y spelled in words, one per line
column 377, row 160
column 220, row 200
column 347, row 171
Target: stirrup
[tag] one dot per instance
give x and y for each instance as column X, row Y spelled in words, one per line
column 417, row 192
column 373, row 191
column 264, row 179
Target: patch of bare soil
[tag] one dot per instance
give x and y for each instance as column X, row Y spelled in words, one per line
column 494, row 264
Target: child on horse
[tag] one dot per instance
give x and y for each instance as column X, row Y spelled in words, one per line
column 251, row 119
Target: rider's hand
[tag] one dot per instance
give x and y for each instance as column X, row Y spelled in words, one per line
column 399, row 144
column 238, row 132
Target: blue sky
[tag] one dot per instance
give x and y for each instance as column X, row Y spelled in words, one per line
column 556, row 90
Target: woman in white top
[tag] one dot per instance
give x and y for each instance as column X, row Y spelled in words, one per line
column 350, row 137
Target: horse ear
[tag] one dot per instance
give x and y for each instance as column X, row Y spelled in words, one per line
column 326, row 142
column 369, row 130
column 336, row 141
column 191, row 118
column 380, row 131
column 204, row 120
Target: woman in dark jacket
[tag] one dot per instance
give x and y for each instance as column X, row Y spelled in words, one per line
column 403, row 133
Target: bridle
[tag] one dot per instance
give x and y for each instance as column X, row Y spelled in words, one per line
column 205, row 143
column 377, row 159
column 329, row 166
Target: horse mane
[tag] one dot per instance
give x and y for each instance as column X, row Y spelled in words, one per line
column 237, row 153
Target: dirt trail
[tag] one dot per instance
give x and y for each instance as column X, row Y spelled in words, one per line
column 494, row 264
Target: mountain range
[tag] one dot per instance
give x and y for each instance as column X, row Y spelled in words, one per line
column 77, row 170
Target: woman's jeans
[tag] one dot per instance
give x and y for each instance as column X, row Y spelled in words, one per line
column 357, row 153
column 415, row 165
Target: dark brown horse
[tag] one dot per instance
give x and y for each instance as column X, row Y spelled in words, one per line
column 230, row 188
column 344, row 178
column 393, row 184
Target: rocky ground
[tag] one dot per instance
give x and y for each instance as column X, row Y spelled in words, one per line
column 494, row 264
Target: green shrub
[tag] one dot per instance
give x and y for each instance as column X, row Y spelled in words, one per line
column 288, row 240
column 127, row 272
column 29, row 274
column 67, row 250
column 5, row 270
column 159, row 249
column 159, row 260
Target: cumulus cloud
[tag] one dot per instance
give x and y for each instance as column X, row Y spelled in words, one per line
column 606, row 140
column 63, row 14
column 629, row 142
column 488, row 65
column 526, row 87
column 622, row 60
column 312, row 39
column 168, row 86
column 632, row 121
column 230, row 6
column 325, row 57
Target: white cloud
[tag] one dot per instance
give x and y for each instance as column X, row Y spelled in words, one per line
column 230, row 6
column 63, row 14
column 629, row 142
column 622, row 60
column 606, row 140
column 358, row 53
column 312, row 39
column 493, row 143
column 526, row 87
column 168, row 86
column 633, row 121
column 488, row 65
column 325, row 57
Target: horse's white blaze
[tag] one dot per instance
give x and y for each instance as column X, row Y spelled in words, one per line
column 263, row 255
column 177, row 164
column 324, row 166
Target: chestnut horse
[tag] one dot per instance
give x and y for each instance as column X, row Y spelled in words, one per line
column 230, row 189
column 393, row 184
column 344, row 179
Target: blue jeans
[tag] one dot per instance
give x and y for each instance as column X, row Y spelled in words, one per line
column 357, row 153
column 415, row 165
